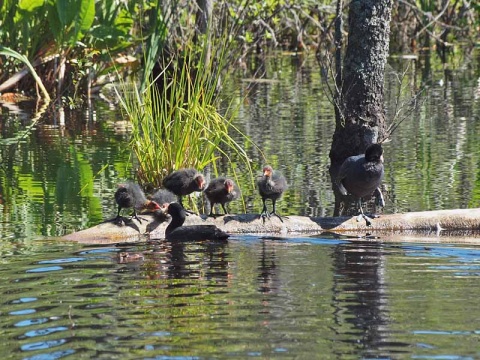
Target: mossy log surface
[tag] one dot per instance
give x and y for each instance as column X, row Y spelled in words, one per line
column 415, row 226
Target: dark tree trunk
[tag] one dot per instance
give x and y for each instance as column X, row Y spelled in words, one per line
column 203, row 16
column 202, row 23
column 361, row 119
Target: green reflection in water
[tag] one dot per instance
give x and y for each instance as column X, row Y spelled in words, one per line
column 251, row 296
column 62, row 177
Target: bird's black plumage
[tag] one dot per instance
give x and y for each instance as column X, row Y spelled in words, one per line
column 163, row 196
column 271, row 186
column 362, row 175
column 176, row 231
column 130, row 195
column 221, row 191
column 184, row 182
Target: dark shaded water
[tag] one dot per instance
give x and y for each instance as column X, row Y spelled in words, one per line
column 253, row 297
column 259, row 298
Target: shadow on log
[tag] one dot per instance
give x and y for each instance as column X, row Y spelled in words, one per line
column 403, row 227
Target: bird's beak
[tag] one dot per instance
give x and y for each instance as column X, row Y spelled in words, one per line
column 152, row 205
column 164, row 208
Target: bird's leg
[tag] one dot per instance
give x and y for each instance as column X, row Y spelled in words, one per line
column 264, row 212
column 274, row 212
column 212, row 205
column 224, row 209
column 136, row 217
column 181, row 204
column 379, row 199
column 118, row 220
column 362, row 215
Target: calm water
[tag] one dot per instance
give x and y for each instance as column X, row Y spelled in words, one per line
column 299, row 298
column 251, row 298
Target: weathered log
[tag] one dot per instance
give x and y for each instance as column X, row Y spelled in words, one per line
column 400, row 226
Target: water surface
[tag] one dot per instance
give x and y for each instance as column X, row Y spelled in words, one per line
column 253, row 297
column 58, row 174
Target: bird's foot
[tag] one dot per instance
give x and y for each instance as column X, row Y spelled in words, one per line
column 190, row 212
column 212, row 215
column 264, row 214
column 278, row 216
column 138, row 218
column 119, row 221
column 366, row 218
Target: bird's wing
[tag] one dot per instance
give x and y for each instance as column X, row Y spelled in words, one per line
column 344, row 171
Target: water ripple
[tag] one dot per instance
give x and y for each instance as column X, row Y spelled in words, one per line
column 62, row 261
column 23, row 312
column 30, row 322
column 45, row 269
column 46, row 331
column 43, row 345
column 23, row 300
column 51, row 356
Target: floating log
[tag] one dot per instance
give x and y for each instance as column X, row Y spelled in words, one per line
column 402, row 226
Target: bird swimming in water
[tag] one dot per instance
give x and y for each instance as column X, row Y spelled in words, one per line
column 177, row 232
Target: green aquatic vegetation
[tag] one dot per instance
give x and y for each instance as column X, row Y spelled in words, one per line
column 176, row 122
column 10, row 52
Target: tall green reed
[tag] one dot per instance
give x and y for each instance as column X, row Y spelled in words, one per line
column 175, row 120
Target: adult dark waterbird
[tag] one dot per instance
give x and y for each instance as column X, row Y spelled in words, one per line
column 361, row 176
column 130, row 195
column 176, row 231
column 184, row 182
column 221, row 191
column 271, row 186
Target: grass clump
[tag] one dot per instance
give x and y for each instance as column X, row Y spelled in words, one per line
column 175, row 120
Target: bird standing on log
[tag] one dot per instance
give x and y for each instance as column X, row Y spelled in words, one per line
column 184, row 182
column 130, row 195
column 361, row 176
column 271, row 186
column 221, row 191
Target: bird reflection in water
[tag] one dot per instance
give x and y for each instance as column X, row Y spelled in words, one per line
column 192, row 260
column 267, row 269
column 360, row 295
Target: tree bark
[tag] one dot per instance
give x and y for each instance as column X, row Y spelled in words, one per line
column 362, row 113
column 202, row 24
column 203, row 16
